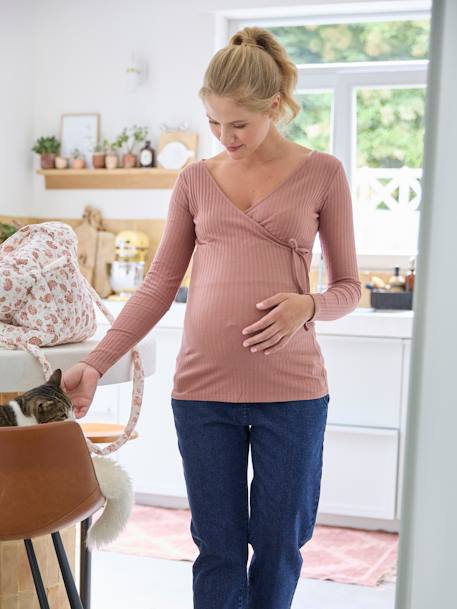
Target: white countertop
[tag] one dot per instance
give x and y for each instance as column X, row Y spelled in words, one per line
column 20, row 370
column 362, row 321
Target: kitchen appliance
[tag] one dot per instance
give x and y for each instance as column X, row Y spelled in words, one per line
column 127, row 270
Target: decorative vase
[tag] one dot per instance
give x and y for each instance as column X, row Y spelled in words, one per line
column 129, row 160
column 78, row 163
column 48, row 160
column 61, row 162
column 98, row 160
column 111, row 160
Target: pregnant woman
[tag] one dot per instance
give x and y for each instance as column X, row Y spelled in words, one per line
column 250, row 373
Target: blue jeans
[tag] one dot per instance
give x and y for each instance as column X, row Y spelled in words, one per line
column 286, row 440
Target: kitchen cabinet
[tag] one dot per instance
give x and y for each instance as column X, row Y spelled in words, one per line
column 153, row 460
column 403, row 418
column 364, row 439
column 105, row 405
column 364, row 379
column 359, row 471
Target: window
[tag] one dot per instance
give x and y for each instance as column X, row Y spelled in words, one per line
column 387, row 175
column 361, row 85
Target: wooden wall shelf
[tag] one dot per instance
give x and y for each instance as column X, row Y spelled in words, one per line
column 155, row 177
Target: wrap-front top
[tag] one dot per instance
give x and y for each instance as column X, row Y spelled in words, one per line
column 240, row 258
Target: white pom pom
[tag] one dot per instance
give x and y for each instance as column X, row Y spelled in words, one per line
column 116, row 487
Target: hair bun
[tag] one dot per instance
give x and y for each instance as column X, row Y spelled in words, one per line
column 275, row 73
column 249, row 42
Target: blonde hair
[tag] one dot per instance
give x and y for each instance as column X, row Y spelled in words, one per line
column 251, row 70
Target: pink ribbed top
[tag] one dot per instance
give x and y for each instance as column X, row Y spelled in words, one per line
column 241, row 258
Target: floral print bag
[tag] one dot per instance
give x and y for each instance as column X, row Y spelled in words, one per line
column 45, row 301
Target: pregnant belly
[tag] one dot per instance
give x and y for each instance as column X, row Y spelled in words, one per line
column 214, row 322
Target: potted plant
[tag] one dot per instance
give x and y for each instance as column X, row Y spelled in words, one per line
column 99, row 154
column 48, row 147
column 130, row 137
column 61, row 162
column 77, row 159
column 111, row 157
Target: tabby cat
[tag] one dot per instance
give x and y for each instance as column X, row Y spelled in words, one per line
column 42, row 404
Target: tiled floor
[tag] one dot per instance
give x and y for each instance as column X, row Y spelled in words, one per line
column 121, row 580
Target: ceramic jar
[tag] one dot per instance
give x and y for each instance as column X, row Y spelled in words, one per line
column 61, row 162
column 111, row 160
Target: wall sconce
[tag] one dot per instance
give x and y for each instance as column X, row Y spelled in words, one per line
column 136, row 73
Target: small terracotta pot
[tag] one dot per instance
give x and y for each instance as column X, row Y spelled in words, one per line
column 98, row 160
column 129, row 160
column 61, row 162
column 47, row 160
column 78, row 163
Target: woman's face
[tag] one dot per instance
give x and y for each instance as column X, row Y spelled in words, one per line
column 235, row 126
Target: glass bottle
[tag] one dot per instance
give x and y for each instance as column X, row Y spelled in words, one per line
column 147, row 155
column 397, row 281
column 411, row 275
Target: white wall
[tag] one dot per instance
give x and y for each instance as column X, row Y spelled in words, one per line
column 80, row 68
column 16, row 129
column 58, row 56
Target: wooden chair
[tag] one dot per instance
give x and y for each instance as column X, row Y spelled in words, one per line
column 47, row 483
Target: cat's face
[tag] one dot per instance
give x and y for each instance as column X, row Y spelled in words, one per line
column 47, row 402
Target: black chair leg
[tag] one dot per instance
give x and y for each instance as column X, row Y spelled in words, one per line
column 85, row 563
column 72, row 593
column 39, row 587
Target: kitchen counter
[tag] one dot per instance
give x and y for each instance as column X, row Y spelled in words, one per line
column 363, row 321
column 365, row 431
column 20, row 370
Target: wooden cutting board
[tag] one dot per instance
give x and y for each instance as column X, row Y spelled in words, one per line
column 106, row 253
column 87, row 249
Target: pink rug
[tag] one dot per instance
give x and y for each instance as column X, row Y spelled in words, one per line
column 349, row 556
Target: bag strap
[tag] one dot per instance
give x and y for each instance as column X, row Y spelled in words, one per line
column 137, row 388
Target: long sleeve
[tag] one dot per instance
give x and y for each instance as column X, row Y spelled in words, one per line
column 336, row 233
column 154, row 296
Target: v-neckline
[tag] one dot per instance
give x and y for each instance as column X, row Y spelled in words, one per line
column 255, row 205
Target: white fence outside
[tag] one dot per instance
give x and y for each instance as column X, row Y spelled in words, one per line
column 386, row 205
column 397, row 190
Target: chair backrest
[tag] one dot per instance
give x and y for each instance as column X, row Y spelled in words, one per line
column 47, row 479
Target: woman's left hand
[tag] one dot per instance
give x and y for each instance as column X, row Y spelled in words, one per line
column 291, row 311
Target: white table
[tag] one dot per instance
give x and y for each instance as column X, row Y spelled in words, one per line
column 20, row 371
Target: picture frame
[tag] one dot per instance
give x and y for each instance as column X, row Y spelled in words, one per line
column 80, row 131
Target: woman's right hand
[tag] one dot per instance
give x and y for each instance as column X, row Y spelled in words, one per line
column 80, row 382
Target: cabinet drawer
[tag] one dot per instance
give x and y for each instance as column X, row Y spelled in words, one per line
column 153, row 461
column 105, row 405
column 359, row 476
column 364, row 379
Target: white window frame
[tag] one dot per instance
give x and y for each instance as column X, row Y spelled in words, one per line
column 342, row 78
